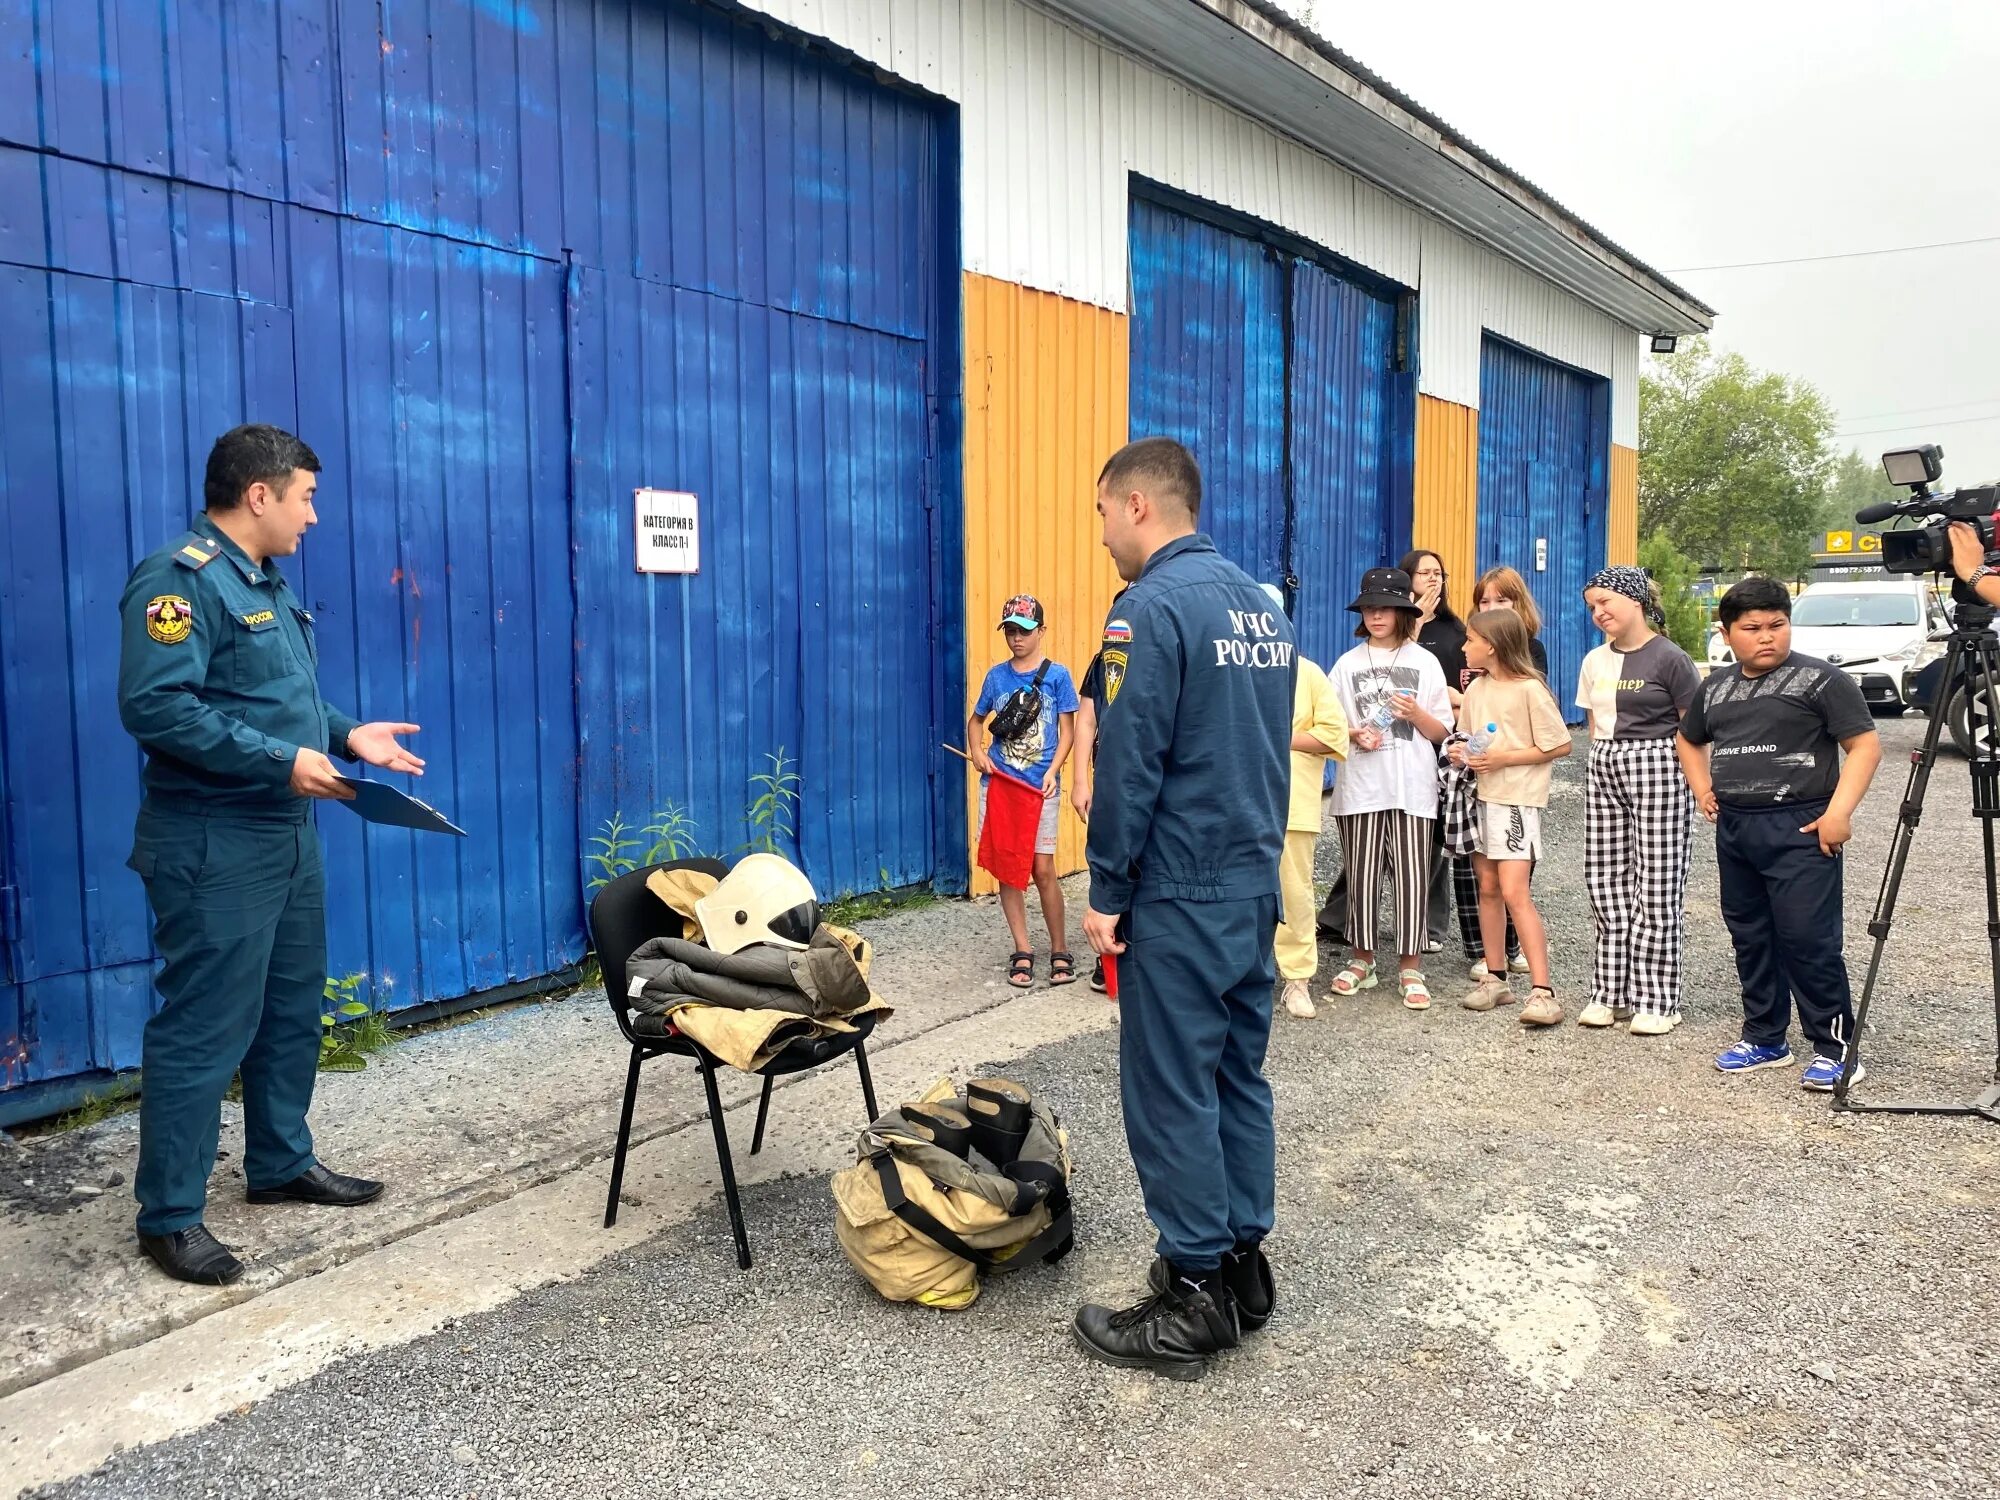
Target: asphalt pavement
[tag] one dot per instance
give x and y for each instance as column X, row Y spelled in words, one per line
column 1509, row 1263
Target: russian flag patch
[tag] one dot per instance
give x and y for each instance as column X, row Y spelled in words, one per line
column 1116, row 632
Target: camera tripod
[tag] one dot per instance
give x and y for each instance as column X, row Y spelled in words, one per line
column 1972, row 662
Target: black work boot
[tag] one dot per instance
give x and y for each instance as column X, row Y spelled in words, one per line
column 1173, row 1332
column 1250, row 1281
column 1247, row 1274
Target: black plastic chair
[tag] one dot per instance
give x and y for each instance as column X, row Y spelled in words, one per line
column 624, row 914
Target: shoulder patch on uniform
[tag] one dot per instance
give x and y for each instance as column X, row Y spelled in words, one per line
column 1117, row 631
column 1114, row 674
column 198, row 553
column 169, row 618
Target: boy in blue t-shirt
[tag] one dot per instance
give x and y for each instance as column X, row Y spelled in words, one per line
column 1035, row 756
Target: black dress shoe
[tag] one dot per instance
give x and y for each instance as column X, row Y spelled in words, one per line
column 1173, row 1332
column 192, row 1254
column 317, row 1185
column 1247, row 1274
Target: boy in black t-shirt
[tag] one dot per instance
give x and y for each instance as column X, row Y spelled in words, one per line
column 1781, row 796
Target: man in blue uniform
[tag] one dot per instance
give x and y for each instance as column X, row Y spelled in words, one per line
column 218, row 682
column 1194, row 780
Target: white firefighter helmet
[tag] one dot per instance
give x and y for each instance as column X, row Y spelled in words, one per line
column 765, row 899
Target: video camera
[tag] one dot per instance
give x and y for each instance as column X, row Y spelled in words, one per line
column 1927, row 548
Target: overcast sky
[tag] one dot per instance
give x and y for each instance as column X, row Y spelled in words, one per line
column 1722, row 131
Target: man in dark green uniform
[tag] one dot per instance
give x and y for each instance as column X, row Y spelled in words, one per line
column 218, row 682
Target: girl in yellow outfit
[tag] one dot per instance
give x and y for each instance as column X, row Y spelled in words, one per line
column 1319, row 730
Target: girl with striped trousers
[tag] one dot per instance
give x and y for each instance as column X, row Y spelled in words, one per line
column 1639, row 813
column 1392, row 692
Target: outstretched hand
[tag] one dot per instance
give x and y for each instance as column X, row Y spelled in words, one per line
column 377, row 744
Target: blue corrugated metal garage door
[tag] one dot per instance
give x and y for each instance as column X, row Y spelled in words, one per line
column 1544, row 455
column 1351, row 450
column 441, row 591
column 739, row 245
column 105, row 388
column 1208, row 368
column 1281, row 375
column 767, row 339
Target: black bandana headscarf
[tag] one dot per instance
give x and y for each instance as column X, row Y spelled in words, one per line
column 1631, row 582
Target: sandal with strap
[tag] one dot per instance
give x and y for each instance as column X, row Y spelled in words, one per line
column 1353, row 977
column 1021, row 970
column 1416, row 995
column 1062, row 968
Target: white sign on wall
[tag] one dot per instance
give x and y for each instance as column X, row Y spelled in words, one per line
column 667, row 527
column 1541, row 554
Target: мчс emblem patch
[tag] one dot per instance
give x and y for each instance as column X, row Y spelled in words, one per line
column 169, row 618
column 1114, row 674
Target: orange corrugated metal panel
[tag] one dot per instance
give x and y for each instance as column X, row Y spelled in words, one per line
column 1045, row 405
column 1624, row 530
column 1445, row 515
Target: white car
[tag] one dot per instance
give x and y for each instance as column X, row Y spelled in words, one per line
column 1719, row 654
column 1877, row 630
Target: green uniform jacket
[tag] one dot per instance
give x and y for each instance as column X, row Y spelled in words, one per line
column 218, row 678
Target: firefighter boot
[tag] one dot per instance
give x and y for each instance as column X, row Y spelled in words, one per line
column 1171, row 1332
column 1247, row 1274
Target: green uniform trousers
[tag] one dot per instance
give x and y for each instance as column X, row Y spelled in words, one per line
column 239, row 918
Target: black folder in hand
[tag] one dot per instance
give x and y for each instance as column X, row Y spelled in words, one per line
column 379, row 802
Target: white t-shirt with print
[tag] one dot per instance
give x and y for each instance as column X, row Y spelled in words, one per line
column 1403, row 773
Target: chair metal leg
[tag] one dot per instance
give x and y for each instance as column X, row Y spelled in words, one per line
column 722, row 1160
column 624, row 1138
column 763, row 1109
column 867, row 1081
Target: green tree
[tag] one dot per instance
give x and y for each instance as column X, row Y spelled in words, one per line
column 1734, row 462
column 1855, row 482
column 1676, row 573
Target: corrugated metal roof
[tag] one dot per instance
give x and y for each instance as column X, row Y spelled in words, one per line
column 1258, row 59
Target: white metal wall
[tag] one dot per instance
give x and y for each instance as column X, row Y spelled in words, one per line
column 1053, row 121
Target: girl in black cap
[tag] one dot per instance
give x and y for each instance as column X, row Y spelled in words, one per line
column 1385, row 799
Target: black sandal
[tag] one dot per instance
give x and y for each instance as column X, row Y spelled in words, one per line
column 1021, row 970
column 1062, row 968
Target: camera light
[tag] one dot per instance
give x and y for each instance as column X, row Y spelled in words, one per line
column 1913, row 465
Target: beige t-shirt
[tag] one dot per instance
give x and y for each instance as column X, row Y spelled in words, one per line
column 1523, row 713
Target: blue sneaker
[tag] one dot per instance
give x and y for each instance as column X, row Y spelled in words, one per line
column 1744, row 1057
column 1823, row 1072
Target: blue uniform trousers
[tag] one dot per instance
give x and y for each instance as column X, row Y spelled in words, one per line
column 1194, row 1002
column 239, row 918
column 1781, row 899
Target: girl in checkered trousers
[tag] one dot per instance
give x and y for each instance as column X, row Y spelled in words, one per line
column 1510, row 707
column 1639, row 813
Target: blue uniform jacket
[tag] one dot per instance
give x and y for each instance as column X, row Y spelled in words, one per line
column 218, row 678
column 1194, row 747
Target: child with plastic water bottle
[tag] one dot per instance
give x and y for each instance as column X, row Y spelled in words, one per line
column 1515, row 734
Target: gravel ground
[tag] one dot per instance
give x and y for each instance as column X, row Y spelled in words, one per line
column 1509, row 1264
